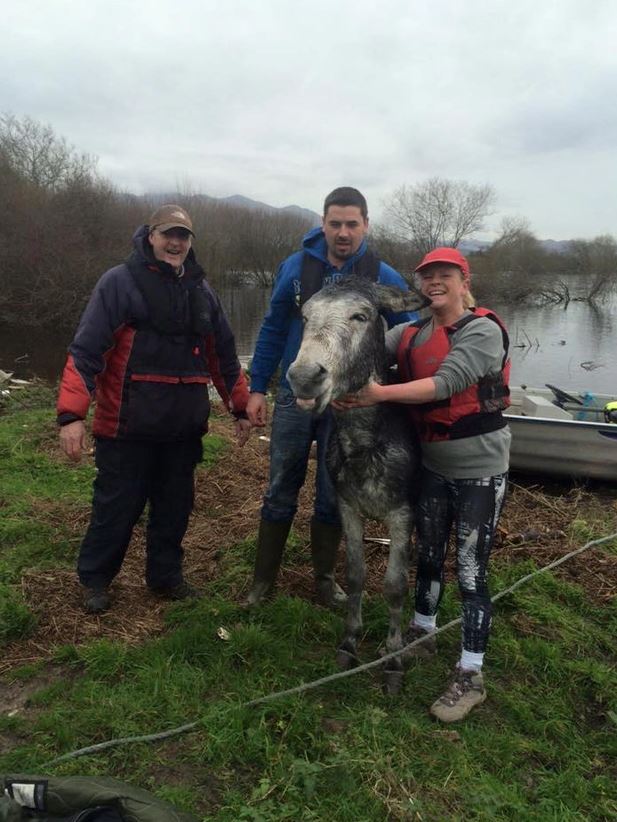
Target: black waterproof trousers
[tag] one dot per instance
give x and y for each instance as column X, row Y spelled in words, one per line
column 129, row 474
column 473, row 506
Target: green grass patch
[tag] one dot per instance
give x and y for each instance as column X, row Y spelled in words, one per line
column 543, row 746
column 540, row 748
column 214, row 447
column 41, row 497
column 16, row 620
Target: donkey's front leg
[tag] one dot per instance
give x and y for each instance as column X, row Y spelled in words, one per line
column 396, row 584
column 346, row 655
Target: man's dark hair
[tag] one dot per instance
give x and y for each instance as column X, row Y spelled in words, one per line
column 346, row 196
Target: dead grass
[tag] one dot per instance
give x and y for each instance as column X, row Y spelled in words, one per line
column 536, row 523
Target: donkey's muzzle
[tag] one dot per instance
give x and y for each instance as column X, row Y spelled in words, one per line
column 306, row 379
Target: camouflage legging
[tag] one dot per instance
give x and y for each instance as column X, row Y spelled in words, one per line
column 474, row 506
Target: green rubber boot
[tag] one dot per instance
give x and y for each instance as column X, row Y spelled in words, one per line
column 270, row 546
column 325, row 541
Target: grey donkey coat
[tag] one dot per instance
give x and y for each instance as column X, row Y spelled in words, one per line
column 373, row 454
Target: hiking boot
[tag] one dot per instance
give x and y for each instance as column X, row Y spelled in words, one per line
column 96, row 600
column 465, row 692
column 178, row 592
column 424, row 649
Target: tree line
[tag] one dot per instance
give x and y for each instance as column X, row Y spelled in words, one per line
column 516, row 266
column 62, row 224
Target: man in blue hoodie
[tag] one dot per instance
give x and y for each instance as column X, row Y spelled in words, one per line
column 337, row 249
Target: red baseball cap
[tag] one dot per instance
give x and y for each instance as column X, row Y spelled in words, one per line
column 445, row 254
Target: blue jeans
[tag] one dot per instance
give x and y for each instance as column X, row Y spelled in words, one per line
column 293, row 431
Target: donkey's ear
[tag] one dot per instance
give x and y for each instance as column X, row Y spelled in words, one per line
column 396, row 300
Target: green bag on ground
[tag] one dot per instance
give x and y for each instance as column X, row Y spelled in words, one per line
column 81, row 799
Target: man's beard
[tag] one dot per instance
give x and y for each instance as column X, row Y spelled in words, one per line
column 342, row 253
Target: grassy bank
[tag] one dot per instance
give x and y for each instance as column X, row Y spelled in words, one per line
column 543, row 747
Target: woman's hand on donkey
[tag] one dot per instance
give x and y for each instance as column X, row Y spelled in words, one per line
column 365, row 397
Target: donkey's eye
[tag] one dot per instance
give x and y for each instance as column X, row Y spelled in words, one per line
column 361, row 318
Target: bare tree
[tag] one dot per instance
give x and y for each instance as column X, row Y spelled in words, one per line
column 438, row 212
column 517, row 252
column 33, row 151
column 514, row 266
column 518, row 266
column 595, row 261
column 398, row 253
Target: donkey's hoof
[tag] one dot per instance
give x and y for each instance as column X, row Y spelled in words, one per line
column 393, row 682
column 346, row 659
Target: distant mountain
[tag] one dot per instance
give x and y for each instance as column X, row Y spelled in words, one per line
column 469, row 246
column 313, row 216
column 240, row 201
column 556, row 246
column 472, row 246
column 245, row 202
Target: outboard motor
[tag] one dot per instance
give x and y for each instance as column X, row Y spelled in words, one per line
column 610, row 411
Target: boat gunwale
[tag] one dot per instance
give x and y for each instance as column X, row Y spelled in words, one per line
column 602, row 427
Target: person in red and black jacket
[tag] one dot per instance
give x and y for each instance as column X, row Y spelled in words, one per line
column 151, row 339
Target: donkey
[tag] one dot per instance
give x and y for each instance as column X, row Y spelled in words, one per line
column 373, row 455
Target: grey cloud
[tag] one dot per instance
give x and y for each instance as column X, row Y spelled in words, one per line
column 280, row 101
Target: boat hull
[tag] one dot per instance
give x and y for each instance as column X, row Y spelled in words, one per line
column 570, row 440
column 565, row 448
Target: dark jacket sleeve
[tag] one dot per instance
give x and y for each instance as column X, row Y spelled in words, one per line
column 106, row 312
column 274, row 330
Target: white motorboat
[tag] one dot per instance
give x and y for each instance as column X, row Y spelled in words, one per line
column 554, row 432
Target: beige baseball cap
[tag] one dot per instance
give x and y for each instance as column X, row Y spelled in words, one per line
column 170, row 216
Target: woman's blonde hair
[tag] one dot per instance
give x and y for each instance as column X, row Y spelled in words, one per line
column 469, row 300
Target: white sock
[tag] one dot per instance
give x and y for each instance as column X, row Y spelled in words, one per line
column 470, row 661
column 429, row 623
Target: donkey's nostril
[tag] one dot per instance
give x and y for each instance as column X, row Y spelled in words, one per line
column 304, row 375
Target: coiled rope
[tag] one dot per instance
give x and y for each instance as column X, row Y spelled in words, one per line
column 317, row 683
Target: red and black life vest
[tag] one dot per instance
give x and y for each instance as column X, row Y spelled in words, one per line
column 477, row 409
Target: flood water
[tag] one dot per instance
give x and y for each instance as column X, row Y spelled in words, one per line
column 572, row 348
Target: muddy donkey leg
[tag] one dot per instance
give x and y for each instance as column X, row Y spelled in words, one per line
column 396, row 584
column 346, row 655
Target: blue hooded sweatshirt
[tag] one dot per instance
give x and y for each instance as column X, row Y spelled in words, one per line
column 280, row 335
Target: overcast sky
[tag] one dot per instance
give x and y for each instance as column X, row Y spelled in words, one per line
column 282, row 100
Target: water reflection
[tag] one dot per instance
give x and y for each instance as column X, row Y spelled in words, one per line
column 245, row 308
column 572, row 348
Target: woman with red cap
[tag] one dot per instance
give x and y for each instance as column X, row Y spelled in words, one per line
column 454, row 366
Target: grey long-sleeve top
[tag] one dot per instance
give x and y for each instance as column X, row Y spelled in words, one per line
column 476, row 350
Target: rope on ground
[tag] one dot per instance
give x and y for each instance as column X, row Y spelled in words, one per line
column 317, row 683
